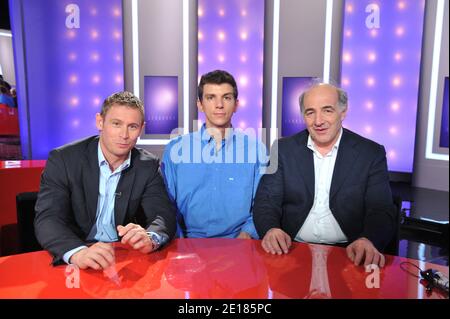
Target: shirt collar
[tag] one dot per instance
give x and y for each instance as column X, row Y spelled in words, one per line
column 102, row 160
column 206, row 137
column 335, row 147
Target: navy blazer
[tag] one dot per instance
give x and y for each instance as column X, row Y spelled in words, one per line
column 360, row 194
column 67, row 201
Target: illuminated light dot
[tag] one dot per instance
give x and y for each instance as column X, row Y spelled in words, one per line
column 73, row 79
column 345, row 82
column 117, row 34
column 347, row 57
column 242, row 102
column 116, row 12
column 200, row 58
column 94, row 11
column 71, row 34
column 260, row 123
column 348, row 33
column 395, row 106
column 370, row 81
column 243, row 58
column 396, row 81
column 369, row 105
column 368, row 129
column 221, row 58
column 349, row 8
column 374, row 33
column 72, row 56
column 118, row 79
column 242, row 124
column 200, row 35
column 94, row 34
column 74, row 101
column 392, row 154
column 75, row 123
column 401, row 5
column 244, row 35
column 118, row 57
column 221, row 35
column 244, row 13
column 393, row 130
column 95, row 79
column 222, row 12
column 399, row 31
column 96, row 101
column 200, row 12
column 243, row 80
column 95, row 56
column 372, row 57
column 398, row 56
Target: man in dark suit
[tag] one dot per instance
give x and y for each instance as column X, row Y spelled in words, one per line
column 102, row 189
column 331, row 185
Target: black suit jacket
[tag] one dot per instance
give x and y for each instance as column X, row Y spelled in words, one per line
column 360, row 195
column 67, row 200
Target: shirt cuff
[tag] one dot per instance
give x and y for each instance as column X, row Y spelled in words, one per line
column 251, row 230
column 70, row 253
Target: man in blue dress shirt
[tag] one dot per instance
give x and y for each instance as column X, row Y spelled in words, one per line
column 212, row 174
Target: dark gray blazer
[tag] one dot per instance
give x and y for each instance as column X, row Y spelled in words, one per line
column 67, row 201
column 360, row 194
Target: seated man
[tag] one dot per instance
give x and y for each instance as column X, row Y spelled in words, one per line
column 212, row 174
column 331, row 185
column 102, row 189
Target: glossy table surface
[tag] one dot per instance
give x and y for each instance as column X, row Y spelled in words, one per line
column 215, row 268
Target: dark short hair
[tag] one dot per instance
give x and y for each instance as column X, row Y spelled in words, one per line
column 123, row 98
column 217, row 77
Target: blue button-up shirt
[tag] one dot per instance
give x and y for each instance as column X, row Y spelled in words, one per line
column 214, row 188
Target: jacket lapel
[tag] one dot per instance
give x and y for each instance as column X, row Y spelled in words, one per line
column 91, row 176
column 306, row 163
column 344, row 162
column 123, row 191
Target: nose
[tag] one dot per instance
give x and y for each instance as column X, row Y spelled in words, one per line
column 318, row 119
column 219, row 103
column 124, row 133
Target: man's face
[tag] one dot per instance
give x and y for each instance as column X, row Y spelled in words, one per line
column 119, row 130
column 218, row 104
column 323, row 116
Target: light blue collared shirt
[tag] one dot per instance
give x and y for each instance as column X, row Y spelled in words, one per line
column 104, row 229
column 214, row 188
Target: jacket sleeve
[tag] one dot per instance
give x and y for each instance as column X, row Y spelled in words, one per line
column 268, row 203
column 159, row 211
column 379, row 221
column 54, row 223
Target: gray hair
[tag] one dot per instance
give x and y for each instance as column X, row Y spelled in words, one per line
column 342, row 95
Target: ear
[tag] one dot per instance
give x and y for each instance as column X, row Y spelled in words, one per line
column 236, row 106
column 99, row 121
column 200, row 106
column 343, row 115
column 142, row 128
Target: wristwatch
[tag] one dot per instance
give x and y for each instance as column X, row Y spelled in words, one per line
column 155, row 239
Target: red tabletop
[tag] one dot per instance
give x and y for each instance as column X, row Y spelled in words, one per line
column 214, row 268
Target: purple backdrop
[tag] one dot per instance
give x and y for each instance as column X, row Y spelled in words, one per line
column 380, row 71
column 443, row 141
column 231, row 37
column 161, row 104
column 69, row 71
column 291, row 119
